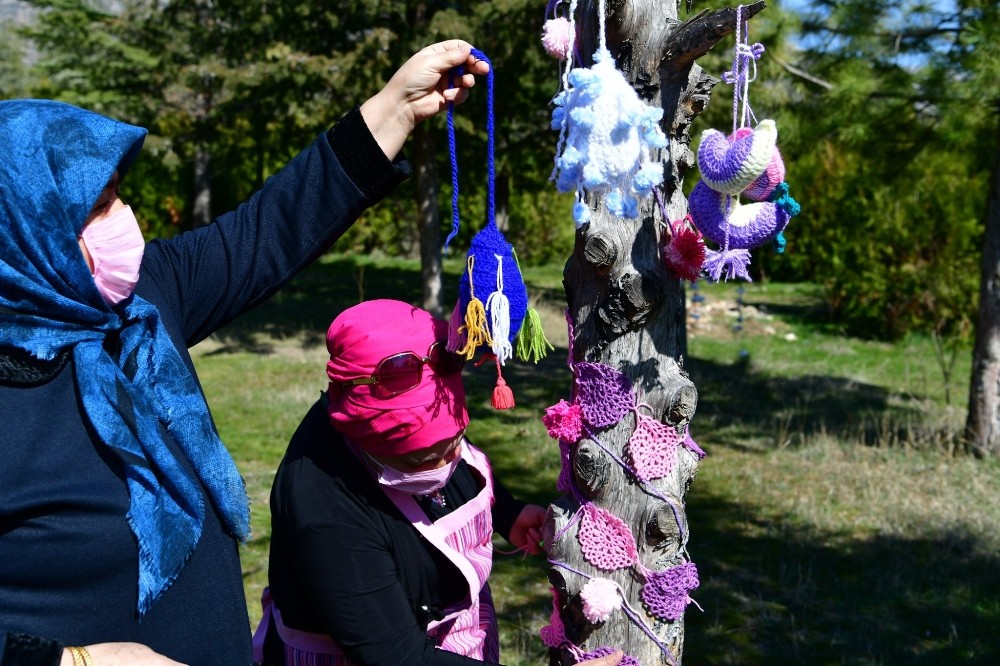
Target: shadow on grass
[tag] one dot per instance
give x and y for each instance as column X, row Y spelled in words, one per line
column 770, row 596
column 787, row 598
column 737, row 403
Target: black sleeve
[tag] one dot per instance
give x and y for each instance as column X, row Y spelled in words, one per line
column 505, row 509
column 213, row 274
column 357, row 592
column 24, row 650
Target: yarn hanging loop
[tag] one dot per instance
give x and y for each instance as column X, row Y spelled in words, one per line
column 745, row 56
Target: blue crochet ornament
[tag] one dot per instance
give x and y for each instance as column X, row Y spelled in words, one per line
column 492, row 314
column 606, row 137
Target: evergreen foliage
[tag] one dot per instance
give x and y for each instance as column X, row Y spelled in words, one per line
column 886, row 112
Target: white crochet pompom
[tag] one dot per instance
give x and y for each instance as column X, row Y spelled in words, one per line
column 600, row 598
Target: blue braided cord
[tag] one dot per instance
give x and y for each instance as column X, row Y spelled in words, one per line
column 490, row 138
column 453, row 154
column 490, row 159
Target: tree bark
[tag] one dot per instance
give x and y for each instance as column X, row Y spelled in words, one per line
column 429, row 222
column 201, row 209
column 628, row 312
column 982, row 427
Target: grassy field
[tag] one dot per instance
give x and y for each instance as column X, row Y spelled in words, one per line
column 832, row 521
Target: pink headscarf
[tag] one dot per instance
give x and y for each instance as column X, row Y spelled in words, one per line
column 358, row 339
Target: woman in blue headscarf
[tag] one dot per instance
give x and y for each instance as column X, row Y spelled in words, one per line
column 120, row 509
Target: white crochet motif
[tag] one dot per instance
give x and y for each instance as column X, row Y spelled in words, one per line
column 609, row 133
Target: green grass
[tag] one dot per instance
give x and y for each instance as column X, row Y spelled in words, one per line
column 832, row 521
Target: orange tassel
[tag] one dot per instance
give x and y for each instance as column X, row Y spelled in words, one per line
column 503, row 397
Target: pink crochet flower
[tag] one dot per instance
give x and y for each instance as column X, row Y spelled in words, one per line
column 684, row 253
column 563, row 420
column 600, row 598
column 556, row 35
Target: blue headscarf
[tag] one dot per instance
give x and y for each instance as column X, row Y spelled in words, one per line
column 55, row 159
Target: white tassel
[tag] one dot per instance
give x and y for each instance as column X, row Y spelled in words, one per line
column 499, row 307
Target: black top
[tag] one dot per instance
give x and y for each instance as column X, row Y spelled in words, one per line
column 346, row 563
column 68, row 561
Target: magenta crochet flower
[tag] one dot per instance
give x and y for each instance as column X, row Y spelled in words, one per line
column 564, row 421
column 600, row 598
column 684, row 253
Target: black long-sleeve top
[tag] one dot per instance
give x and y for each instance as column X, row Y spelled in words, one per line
column 345, row 562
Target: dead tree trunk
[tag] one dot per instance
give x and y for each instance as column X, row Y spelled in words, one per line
column 628, row 313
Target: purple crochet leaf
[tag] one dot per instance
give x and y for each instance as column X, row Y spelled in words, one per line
column 665, row 593
column 604, row 394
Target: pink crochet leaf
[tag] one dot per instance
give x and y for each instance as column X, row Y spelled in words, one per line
column 564, row 421
column 665, row 593
column 603, row 651
column 605, row 539
column 653, row 448
column 604, row 394
column 554, row 633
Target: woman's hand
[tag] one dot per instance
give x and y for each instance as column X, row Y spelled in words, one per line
column 121, row 654
column 526, row 532
column 418, row 90
column 612, row 659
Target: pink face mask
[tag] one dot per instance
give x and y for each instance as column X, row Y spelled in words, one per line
column 115, row 245
column 415, row 483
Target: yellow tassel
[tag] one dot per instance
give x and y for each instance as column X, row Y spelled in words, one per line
column 476, row 332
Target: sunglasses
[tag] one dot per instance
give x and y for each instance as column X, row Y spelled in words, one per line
column 402, row 372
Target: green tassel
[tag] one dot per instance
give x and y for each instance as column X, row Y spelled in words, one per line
column 531, row 342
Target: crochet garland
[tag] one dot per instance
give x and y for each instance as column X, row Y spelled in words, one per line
column 505, row 325
column 603, row 396
column 745, row 163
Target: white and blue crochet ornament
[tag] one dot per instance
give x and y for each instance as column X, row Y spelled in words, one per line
column 492, row 314
column 745, row 163
column 606, row 136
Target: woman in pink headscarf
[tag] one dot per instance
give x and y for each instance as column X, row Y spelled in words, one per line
column 382, row 512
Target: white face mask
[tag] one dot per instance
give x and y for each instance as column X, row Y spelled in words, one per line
column 416, row 483
column 115, row 245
